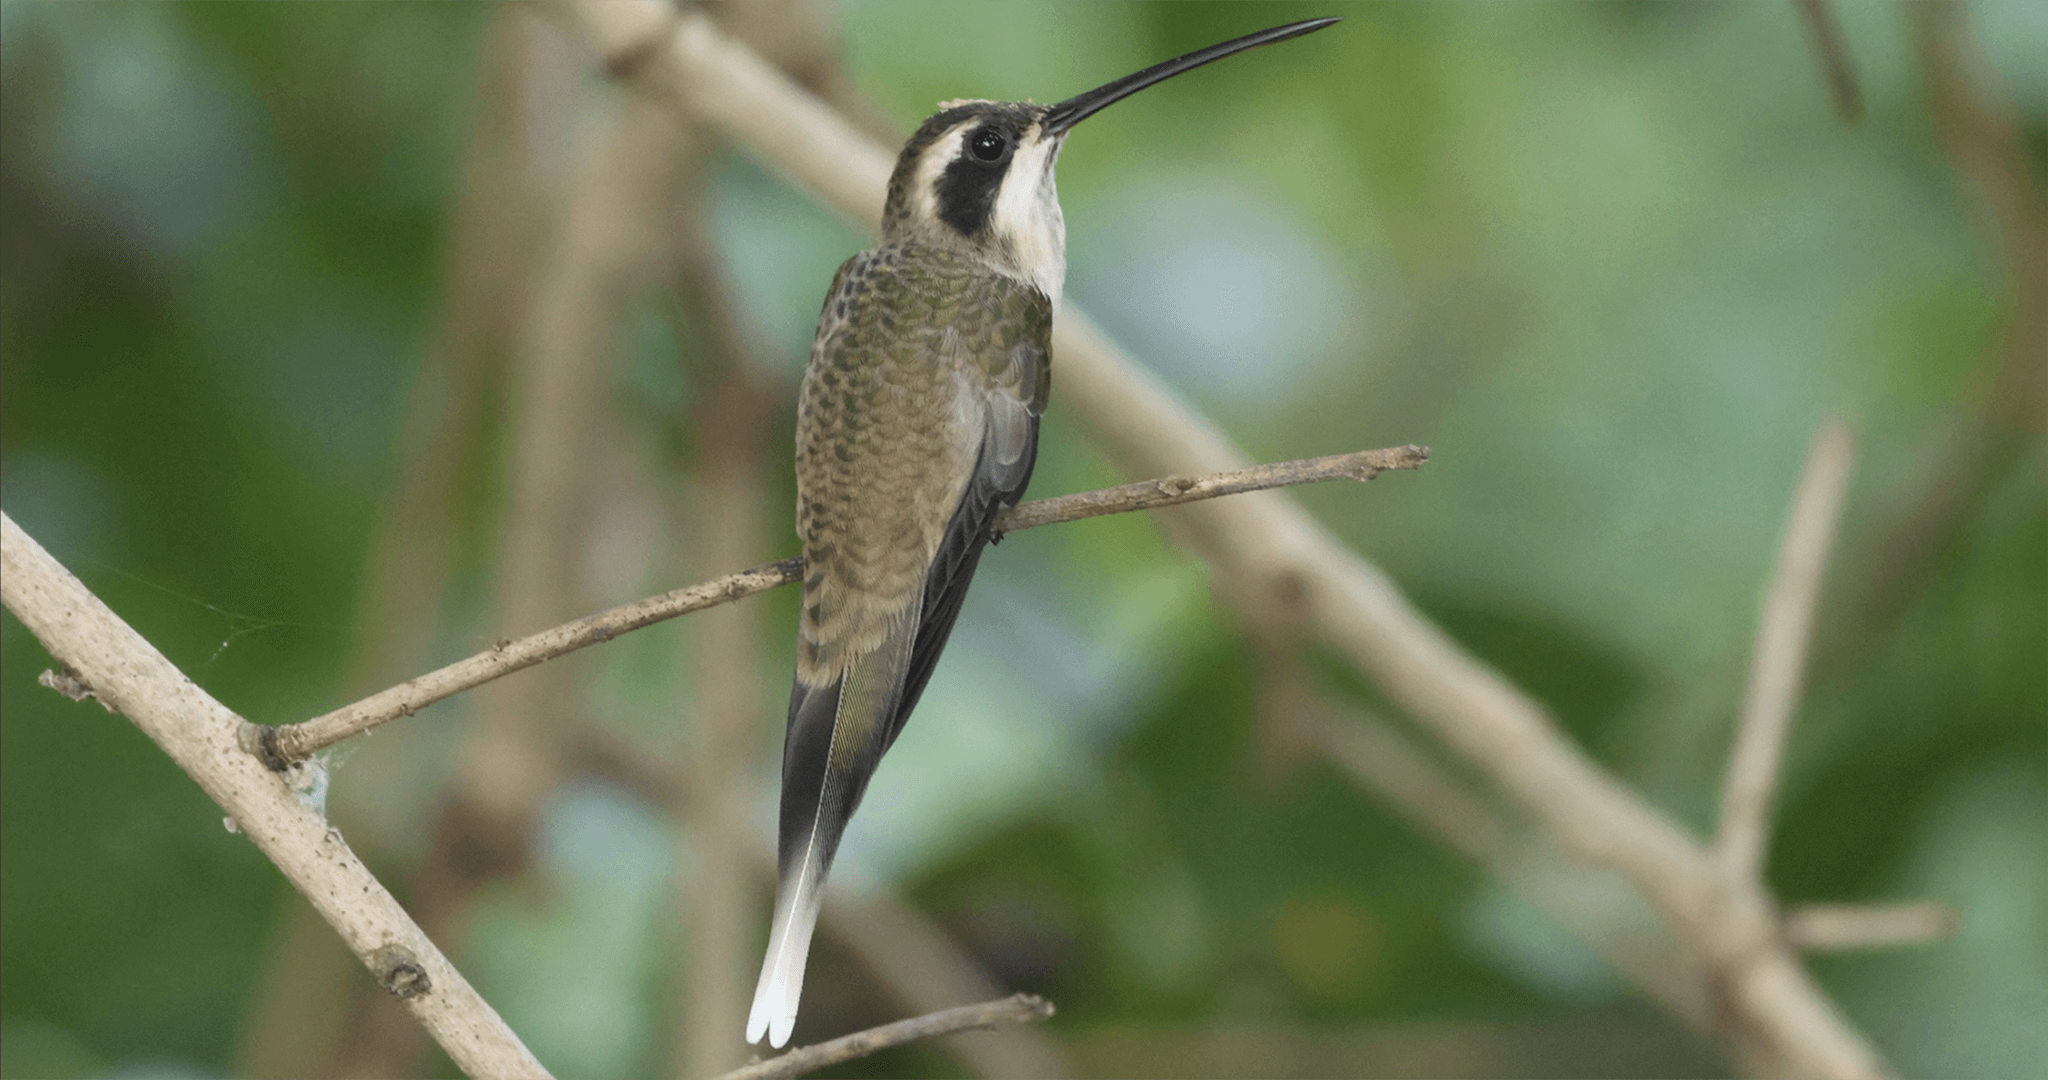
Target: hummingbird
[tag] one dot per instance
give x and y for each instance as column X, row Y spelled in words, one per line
column 917, row 423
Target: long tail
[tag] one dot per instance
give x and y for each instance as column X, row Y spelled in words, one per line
column 837, row 734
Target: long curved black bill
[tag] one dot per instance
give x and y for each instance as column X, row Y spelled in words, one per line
column 1082, row 106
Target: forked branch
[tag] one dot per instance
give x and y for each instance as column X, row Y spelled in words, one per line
column 105, row 657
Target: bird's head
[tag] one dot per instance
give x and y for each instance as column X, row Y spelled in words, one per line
column 980, row 173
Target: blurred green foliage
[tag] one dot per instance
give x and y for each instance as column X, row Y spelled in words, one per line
column 1613, row 263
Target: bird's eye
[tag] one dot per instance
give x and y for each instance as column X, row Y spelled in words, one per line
column 987, row 145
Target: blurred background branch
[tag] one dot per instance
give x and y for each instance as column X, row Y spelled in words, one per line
column 1831, row 55
column 601, row 256
column 1870, row 926
column 1777, row 674
column 731, row 424
column 502, row 210
column 2005, row 408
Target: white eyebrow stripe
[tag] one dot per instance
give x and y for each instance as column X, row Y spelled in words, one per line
column 932, row 166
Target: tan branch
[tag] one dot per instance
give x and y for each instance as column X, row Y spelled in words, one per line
column 1015, row 1009
column 1778, row 666
column 1838, row 927
column 128, row 675
column 281, row 745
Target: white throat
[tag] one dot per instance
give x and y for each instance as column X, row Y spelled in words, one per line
column 1027, row 222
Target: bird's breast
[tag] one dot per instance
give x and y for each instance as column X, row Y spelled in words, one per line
column 888, row 430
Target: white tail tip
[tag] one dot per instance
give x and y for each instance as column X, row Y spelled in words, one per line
column 775, row 1001
column 782, row 974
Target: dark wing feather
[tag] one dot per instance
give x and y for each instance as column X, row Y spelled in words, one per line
column 1014, row 402
column 945, row 585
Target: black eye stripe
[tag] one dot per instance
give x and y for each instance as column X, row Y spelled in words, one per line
column 967, row 189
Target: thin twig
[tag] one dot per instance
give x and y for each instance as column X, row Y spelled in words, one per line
column 281, row 745
column 1173, row 490
column 1840, row 927
column 719, row 721
column 1778, row 666
column 127, row 674
column 1015, row 1009
column 1824, row 35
